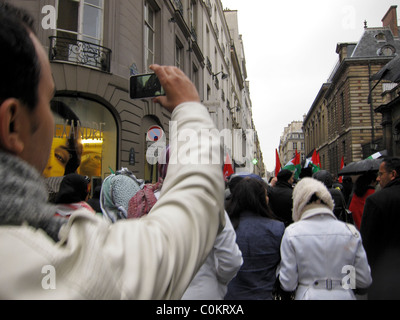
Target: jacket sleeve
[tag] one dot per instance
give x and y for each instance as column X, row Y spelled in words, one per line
column 371, row 230
column 362, row 269
column 288, row 274
column 157, row 256
column 228, row 256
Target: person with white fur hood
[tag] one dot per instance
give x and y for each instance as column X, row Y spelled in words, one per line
column 322, row 258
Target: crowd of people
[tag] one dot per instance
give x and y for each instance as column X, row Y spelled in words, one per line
column 332, row 238
column 179, row 238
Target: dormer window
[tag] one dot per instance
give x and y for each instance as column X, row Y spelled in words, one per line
column 380, row 37
column 387, row 51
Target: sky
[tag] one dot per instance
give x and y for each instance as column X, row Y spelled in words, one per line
column 290, row 49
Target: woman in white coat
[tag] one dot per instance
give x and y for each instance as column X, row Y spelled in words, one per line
column 321, row 257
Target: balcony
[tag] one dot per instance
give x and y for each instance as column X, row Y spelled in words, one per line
column 80, row 52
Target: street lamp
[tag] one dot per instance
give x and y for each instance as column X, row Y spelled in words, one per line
column 224, row 75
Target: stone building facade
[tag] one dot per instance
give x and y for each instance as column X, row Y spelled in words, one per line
column 342, row 121
column 292, row 140
column 95, row 46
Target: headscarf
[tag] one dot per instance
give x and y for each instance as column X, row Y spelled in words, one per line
column 303, row 192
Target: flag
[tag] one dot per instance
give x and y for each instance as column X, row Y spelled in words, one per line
column 318, row 161
column 314, row 162
column 277, row 163
column 341, row 167
column 228, row 170
column 375, row 155
column 294, row 165
column 297, row 165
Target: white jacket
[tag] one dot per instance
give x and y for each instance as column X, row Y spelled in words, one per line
column 150, row 258
column 322, row 258
column 221, row 266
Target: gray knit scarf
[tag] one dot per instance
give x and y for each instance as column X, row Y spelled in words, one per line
column 23, row 197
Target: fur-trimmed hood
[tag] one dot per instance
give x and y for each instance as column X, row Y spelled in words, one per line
column 303, row 192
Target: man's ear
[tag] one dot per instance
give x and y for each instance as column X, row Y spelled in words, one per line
column 10, row 113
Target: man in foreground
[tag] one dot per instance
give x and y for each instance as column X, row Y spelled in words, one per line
column 46, row 257
column 380, row 232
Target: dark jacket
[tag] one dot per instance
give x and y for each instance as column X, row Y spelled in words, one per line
column 381, row 239
column 281, row 202
column 95, row 201
column 338, row 198
column 259, row 239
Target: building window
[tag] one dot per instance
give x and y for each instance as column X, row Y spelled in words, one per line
column 79, row 35
column 343, row 106
column 149, row 35
column 178, row 54
column 81, row 20
column 195, row 77
column 380, row 37
column 343, row 147
column 193, row 18
column 387, row 51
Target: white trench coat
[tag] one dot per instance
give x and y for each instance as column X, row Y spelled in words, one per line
column 323, row 258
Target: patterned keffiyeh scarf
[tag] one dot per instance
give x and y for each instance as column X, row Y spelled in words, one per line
column 24, row 197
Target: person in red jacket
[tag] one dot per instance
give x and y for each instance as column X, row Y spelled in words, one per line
column 364, row 187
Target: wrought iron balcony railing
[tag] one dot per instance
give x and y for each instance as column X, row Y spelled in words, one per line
column 80, row 52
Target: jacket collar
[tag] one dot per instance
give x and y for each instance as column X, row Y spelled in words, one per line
column 23, row 197
column 284, row 184
column 394, row 182
column 313, row 209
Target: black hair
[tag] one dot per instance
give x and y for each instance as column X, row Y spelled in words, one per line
column 73, row 189
column 392, row 163
column 19, row 63
column 249, row 194
column 233, row 181
column 315, row 198
column 284, row 175
column 363, row 183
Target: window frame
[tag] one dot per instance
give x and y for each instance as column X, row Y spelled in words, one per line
column 147, row 27
column 79, row 33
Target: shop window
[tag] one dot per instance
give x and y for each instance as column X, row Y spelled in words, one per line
column 85, row 139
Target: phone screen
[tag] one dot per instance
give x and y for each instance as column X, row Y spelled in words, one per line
column 145, row 86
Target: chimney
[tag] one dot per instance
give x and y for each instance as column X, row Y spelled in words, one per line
column 345, row 50
column 390, row 20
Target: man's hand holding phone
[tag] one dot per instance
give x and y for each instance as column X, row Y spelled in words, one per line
column 178, row 87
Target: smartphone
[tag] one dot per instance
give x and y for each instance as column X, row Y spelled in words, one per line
column 145, row 86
